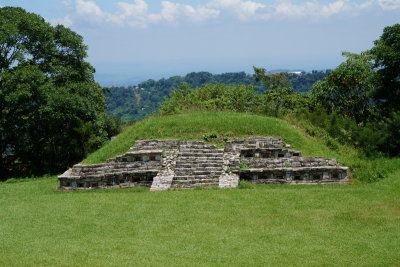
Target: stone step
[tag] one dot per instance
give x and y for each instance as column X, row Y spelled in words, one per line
column 194, row 185
column 161, row 182
column 200, row 161
column 207, row 153
column 199, row 175
column 194, row 177
column 197, row 165
column 182, row 177
column 192, row 142
column 196, row 158
column 198, row 168
column 201, row 150
column 197, row 145
column 198, row 172
column 205, row 181
column 193, row 182
column 199, row 154
column 206, row 184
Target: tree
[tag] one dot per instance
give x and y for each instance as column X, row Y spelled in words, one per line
column 272, row 81
column 278, row 94
column 239, row 98
column 387, row 61
column 47, row 92
column 347, row 89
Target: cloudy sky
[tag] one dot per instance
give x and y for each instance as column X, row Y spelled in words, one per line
column 133, row 40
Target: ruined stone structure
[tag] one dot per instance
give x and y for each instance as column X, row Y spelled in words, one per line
column 164, row 164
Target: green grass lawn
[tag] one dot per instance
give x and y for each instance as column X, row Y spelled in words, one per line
column 253, row 225
column 261, row 225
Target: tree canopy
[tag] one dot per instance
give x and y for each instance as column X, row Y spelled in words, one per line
column 362, row 97
column 387, row 61
column 47, row 96
column 136, row 102
column 347, row 89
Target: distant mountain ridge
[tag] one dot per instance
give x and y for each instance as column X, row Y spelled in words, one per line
column 135, row 102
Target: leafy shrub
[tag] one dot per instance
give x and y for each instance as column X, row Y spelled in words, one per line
column 240, row 98
column 211, row 136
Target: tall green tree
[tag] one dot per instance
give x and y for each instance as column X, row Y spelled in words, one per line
column 278, row 96
column 347, row 89
column 387, row 62
column 47, row 92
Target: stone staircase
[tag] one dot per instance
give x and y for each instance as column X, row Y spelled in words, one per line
column 172, row 163
column 197, row 164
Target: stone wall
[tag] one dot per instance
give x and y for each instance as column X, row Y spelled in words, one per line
column 301, row 175
column 268, row 153
column 164, row 164
column 254, row 142
column 128, row 170
column 287, row 162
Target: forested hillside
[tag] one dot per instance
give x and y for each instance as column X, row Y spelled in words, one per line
column 357, row 103
column 135, row 102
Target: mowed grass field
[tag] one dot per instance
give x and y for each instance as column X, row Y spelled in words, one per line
column 354, row 225
column 253, row 225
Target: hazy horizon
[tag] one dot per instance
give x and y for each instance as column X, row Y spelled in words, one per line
column 138, row 40
column 128, row 74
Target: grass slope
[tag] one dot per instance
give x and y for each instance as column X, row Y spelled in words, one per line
column 262, row 225
column 192, row 126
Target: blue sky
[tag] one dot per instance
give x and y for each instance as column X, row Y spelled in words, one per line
column 133, row 40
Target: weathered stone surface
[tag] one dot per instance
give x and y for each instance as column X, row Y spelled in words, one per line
column 164, row 178
column 197, row 164
column 156, row 144
column 164, row 164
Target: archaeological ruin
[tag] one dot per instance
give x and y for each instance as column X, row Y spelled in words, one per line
column 165, row 164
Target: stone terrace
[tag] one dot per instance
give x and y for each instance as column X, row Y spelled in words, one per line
column 165, row 164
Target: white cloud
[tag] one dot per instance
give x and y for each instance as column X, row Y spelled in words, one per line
column 130, row 14
column 244, row 10
column 128, row 9
column 389, row 4
column 66, row 21
column 313, row 9
column 68, row 4
column 171, row 12
column 136, row 14
column 89, row 10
